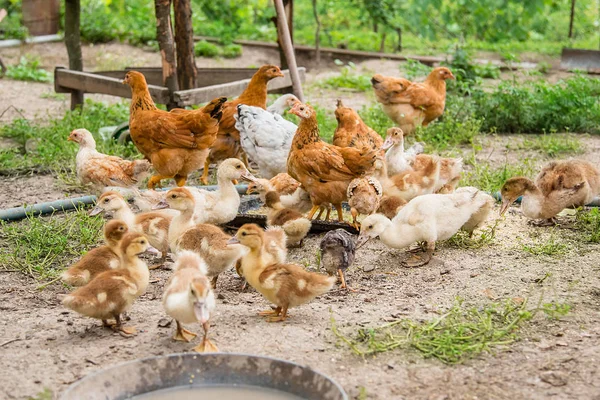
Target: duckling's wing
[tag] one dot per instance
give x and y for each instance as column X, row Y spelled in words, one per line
column 272, row 276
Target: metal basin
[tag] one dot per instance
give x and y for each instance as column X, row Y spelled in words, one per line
column 196, row 370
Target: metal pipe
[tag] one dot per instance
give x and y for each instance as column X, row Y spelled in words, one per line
column 19, row 213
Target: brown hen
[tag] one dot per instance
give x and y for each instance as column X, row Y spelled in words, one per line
column 176, row 142
column 351, row 130
column 227, row 144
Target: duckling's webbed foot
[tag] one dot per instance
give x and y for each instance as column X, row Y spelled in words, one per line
column 183, row 334
column 206, row 346
column 123, row 330
column 423, row 259
column 544, row 222
column 279, row 318
column 273, row 312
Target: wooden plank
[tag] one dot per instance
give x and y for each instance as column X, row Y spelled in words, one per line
column 66, row 80
column 231, row 89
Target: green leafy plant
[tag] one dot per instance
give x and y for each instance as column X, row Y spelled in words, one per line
column 550, row 247
column 28, row 69
column 231, row 50
column 588, row 222
column 484, row 237
column 553, row 145
column 489, row 178
column 556, row 310
column 348, row 79
column 206, row 49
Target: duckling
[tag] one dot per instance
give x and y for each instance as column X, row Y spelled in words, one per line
column 285, row 285
column 99, row 259
column 221, row 206
column 450, row 170
column 364, row 195
column 428, row 218
column 397, row 159
column 295, row 226
column 209, row 241
column 337, row 253
column 411, row 183
column 189, row 298
column 560, row 184
column 154, row 225
column 390, row 205
column 113, row 292
column 281, row 183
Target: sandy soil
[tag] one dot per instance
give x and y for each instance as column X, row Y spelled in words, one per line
column 43, row 345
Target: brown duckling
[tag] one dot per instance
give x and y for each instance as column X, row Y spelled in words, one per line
column 364, row 195
column 295, row 226
column 560, row 184
column 390, row 205
column 99, row 259
column 285, row 285
column 113, row 292
column 189, row 298
column 337, row 253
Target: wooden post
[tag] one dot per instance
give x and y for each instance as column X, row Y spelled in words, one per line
column 572, row 19
column 317, row 34
column 288, row 48
column 187, row 73
column 289, row 10
column 164, row 36
column 73, row 43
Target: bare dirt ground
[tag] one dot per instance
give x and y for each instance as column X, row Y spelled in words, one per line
column 44, row 346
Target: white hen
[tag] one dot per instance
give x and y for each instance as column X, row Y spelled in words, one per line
column 266, row 138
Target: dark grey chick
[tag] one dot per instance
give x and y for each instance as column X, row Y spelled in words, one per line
column 337, row 253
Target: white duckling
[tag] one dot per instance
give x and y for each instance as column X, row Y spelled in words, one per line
column 428, row 218
column 396, row 158
column 189, row 298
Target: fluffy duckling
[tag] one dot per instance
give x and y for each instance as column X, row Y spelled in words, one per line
column 560, row 184
column 285, row 285
column 189, row 298
column 208, row 241
column 411, row 183
column 298, row 200
column 428, row 218
column 101, row 170
column 281, row 183
column 295, row 226
column 390, row 205
column 337, row 253
column 113, row 292
column 397, row 159
column 364, row 195
column 154, row 224
column 450, row 170
column 221, row 206
column 99, row 259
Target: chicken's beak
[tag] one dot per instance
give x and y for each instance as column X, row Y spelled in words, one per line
column 125, row 81
column 233, row 240
column 387, row 144
column 248, row 177
column 505, row 205
column 362, row 240
column 452, row 76
column 70, row 139
column 96, row 210
column 280, row 75
column 161, row 205
column 250, row 190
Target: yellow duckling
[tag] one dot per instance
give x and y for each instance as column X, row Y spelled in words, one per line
column 560, row 184
column 189, row 298
column 285, row 285
column 113, row 292
column 99, row 259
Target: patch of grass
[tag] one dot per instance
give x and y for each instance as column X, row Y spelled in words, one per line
column 45, row 394
column 43, row 247
column 450, row 131
column 456, row 336
column 206, row 49
column 484, row 237
column 550, row 247
column 28, row 69
column 53, row 96
column 588, row 223
column 325, row 119
column 413, row 69
column 375, row 118
column 490, row 179
column 53, row 151
column 554, row 310
column 348, row 78
column 553, row 145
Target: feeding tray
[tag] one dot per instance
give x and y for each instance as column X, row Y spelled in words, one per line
column 236, row 376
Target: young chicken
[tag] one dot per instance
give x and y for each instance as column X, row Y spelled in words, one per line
column 113, row 292
column 99, row 259
column 560, row 184
column 337, row 253
column 398, row 160
column 101, row 170
column 410, row 104
column 364, row 195
column 177, row 142
column 285, row 285
column 324, row 170
column 390, row 205
column 283, row 103
column 189, row 298
column 428, row 218
column 411, row 183
column 351, row 130
column 227, row 144
column 295, row 226
column 208, row 241
column 154, row 224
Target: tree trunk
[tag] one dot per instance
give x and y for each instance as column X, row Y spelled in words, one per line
column 571, row 19
column 187, row 74
column 73, row 44
column 382, row 44
column 317, row 34
column 399, row 44
column 164, row 37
